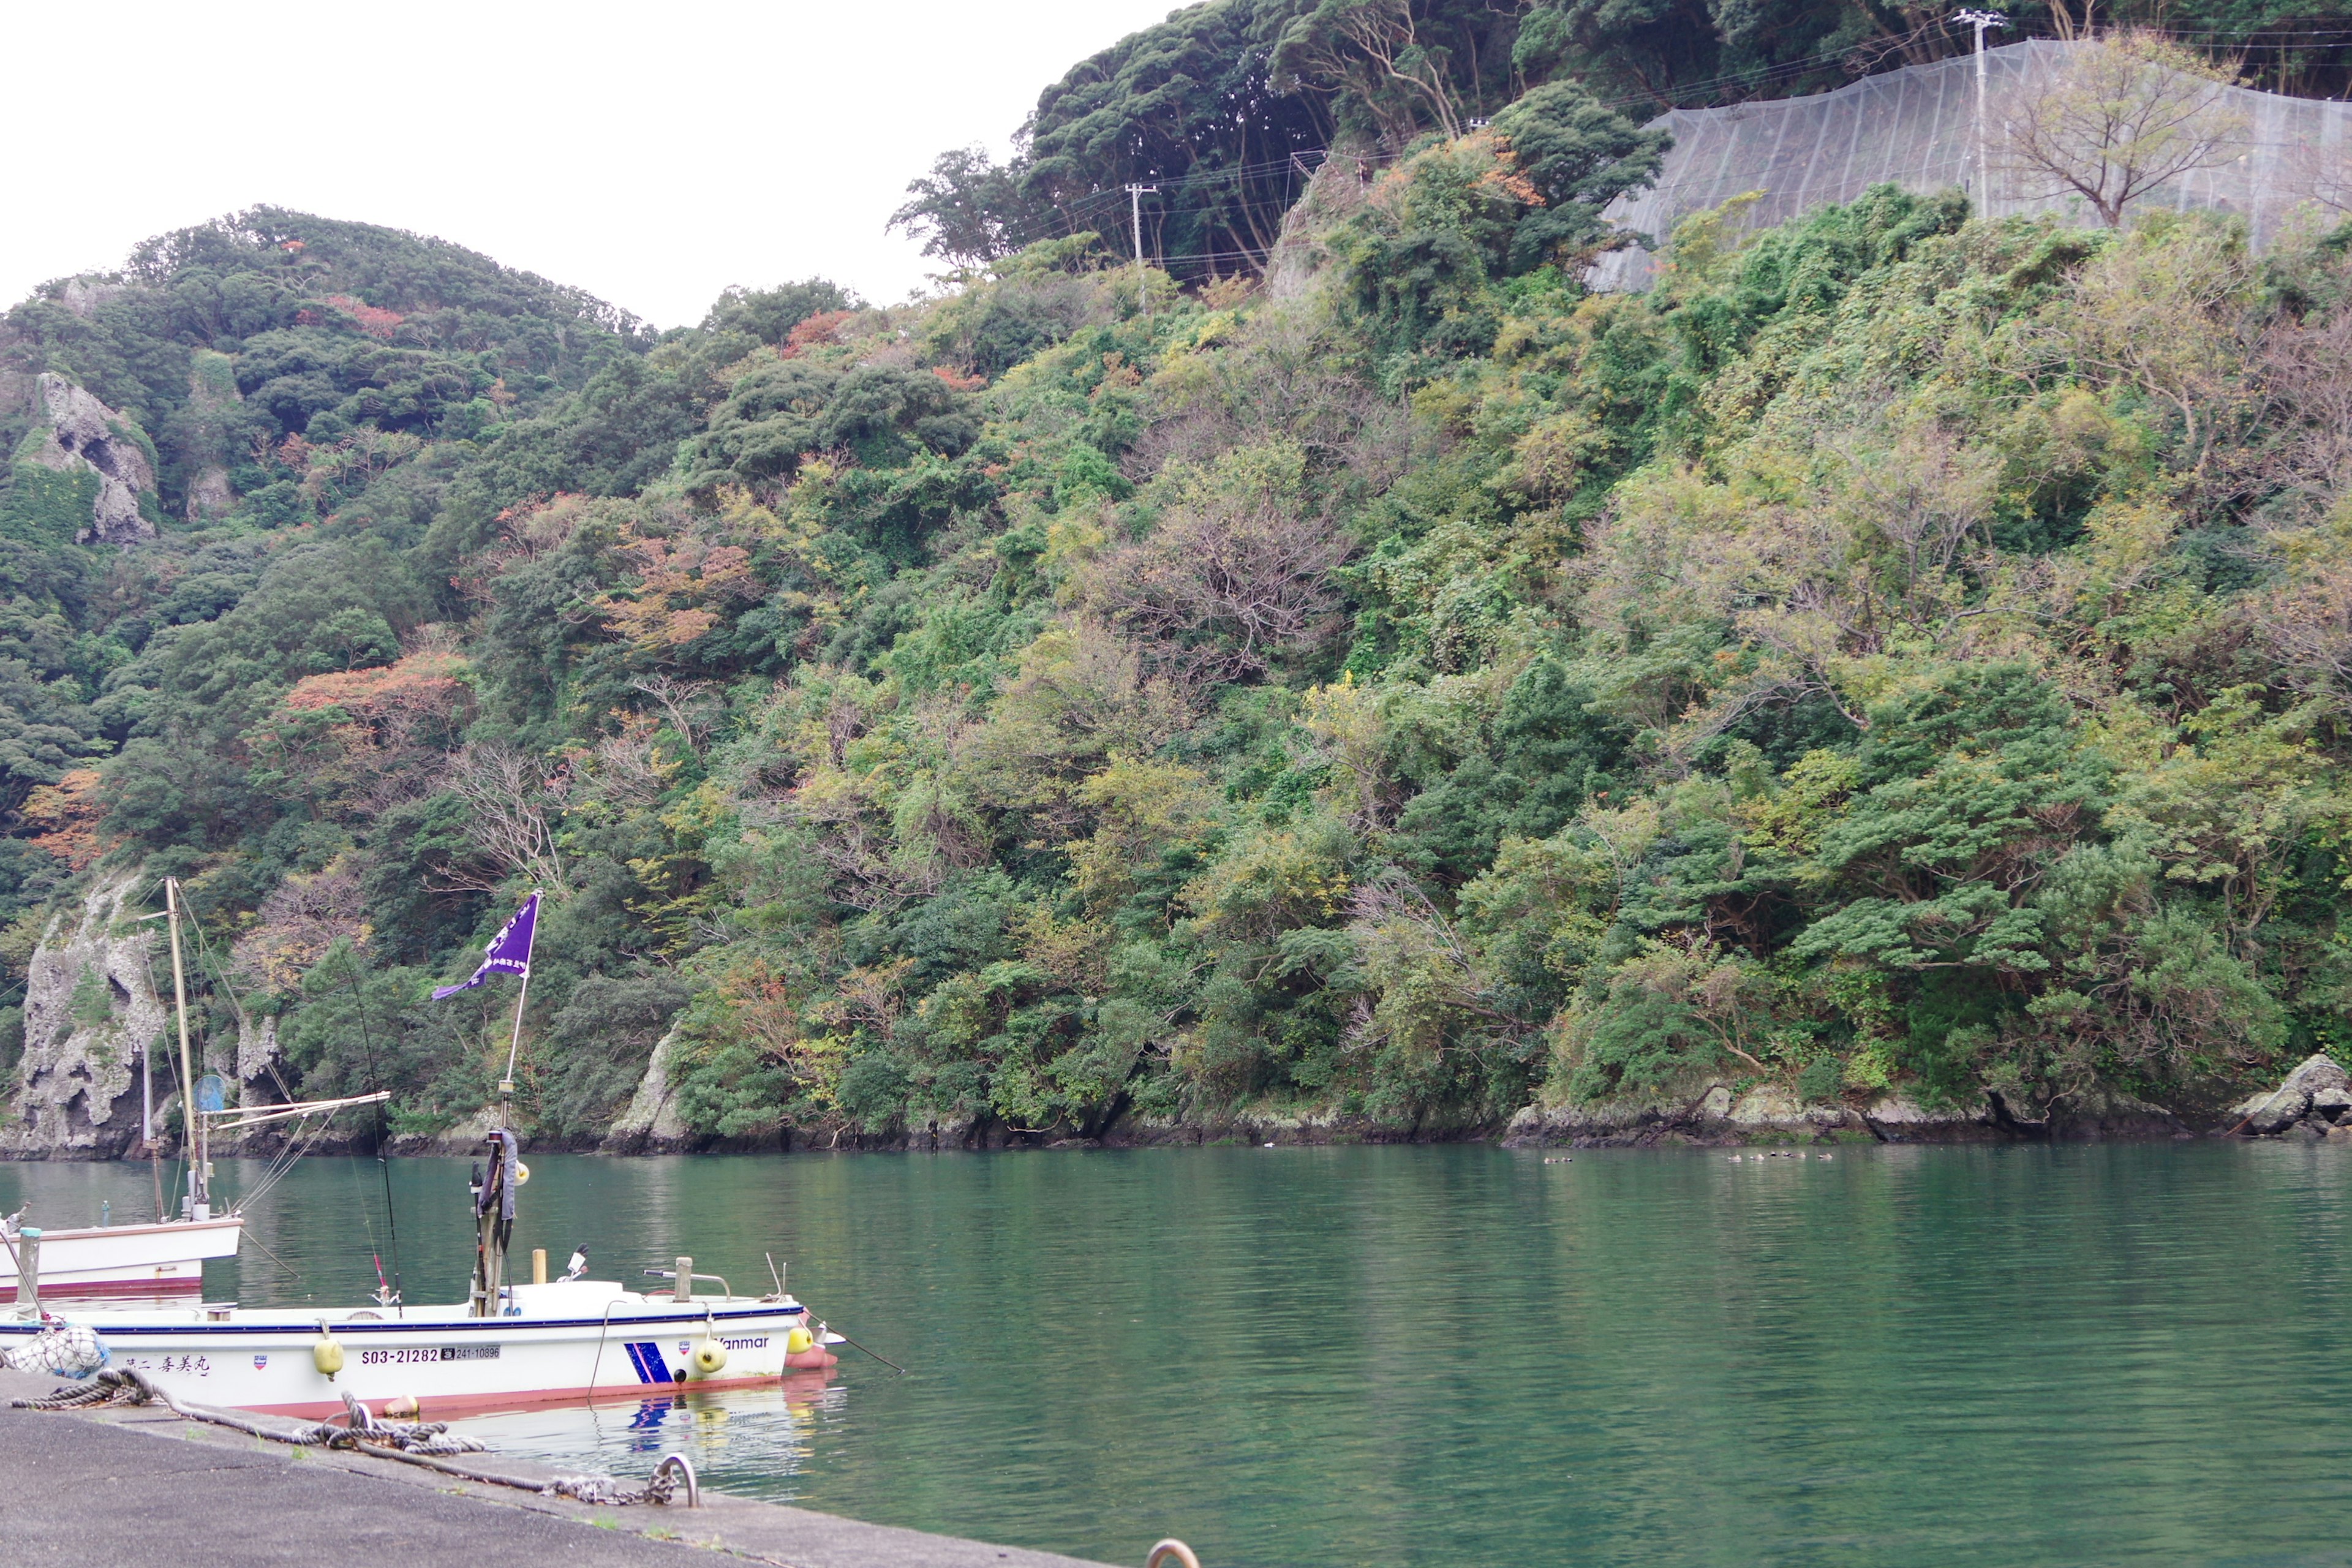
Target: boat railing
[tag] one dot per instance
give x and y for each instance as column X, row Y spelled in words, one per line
column 603, row 1330
column 725, row 1290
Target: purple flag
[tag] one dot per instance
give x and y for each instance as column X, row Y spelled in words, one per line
column 510, row 950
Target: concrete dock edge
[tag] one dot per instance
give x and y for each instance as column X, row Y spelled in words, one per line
column 137, row 1486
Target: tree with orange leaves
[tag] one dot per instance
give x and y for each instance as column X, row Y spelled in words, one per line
column 66, row 812
column 678, row 582
column 360, row 741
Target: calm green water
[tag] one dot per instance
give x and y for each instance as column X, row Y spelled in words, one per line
column 1468, row 1355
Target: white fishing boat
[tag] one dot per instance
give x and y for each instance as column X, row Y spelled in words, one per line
column 165, row 1259
column 506, row 1344
column 558, row 1342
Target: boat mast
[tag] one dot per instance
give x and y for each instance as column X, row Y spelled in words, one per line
column 493, row 1230
column 199, row 1192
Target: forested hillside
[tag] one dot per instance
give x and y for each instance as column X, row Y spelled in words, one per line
column 1896, row 651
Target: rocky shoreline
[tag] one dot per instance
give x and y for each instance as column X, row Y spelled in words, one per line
column 2314, row 1103
column 90, row 1008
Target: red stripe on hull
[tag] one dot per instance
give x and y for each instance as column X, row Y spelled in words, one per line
column 73, row 1290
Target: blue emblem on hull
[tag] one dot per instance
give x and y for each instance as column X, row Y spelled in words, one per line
column 646, row 1358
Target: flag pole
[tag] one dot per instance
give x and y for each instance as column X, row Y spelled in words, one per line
column 506, row 1084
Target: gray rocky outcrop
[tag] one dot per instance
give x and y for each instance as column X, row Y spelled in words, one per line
column 85, row 435
column 2317, row 1094
column 1772, row 1112
column 209, row 495
column 83, row 295
column 257, row 1056
column 651, row 1124
column 90, row 1015
column 1300, row 260
column 466, row 1137
column 213, row 397
column 1768, row 1112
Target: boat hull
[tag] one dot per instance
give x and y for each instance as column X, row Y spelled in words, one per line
column 447, row 1364
column 145, row 1261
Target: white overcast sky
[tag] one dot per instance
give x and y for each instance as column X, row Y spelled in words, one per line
column 651, row 154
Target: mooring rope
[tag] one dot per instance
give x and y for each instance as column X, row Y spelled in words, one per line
column 423, row 1443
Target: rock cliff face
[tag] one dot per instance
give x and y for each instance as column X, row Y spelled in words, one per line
column 1300, row 260
column 212, row 395
column 257, row 1058
column 209, row 495
column 651, row 1125
column 90, row 1015
column 83, row 295
column 87, row 437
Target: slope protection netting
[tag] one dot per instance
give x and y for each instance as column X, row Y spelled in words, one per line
column 1917, row 128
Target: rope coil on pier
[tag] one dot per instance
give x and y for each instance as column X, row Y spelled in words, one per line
column 675, row 1471
column 361, row 1428
column 103, row 1392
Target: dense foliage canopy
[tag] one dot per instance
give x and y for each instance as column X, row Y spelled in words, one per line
column 1896, row 651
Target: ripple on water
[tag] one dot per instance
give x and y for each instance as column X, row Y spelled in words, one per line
column 1970, row 1355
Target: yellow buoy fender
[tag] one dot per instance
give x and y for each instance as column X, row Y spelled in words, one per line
column 327, row 1352
column 710, row 1357
column 798, row 1341
column 522, row 1174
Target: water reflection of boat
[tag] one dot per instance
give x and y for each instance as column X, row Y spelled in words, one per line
column 507, row 1343
column 767, row 1431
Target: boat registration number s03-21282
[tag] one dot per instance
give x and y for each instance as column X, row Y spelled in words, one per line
column 428, row 1353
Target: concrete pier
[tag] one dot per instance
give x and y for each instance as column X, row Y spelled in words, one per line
column 140, row 1487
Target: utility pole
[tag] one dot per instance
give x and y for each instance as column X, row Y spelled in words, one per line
column 1981, row 20
column 1135, row 195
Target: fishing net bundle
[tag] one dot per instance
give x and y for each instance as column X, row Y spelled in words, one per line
column 61, row 1350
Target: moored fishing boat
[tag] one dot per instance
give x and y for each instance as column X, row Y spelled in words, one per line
column 506, row 1345
column 564, row 1341
column 166, row 1258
